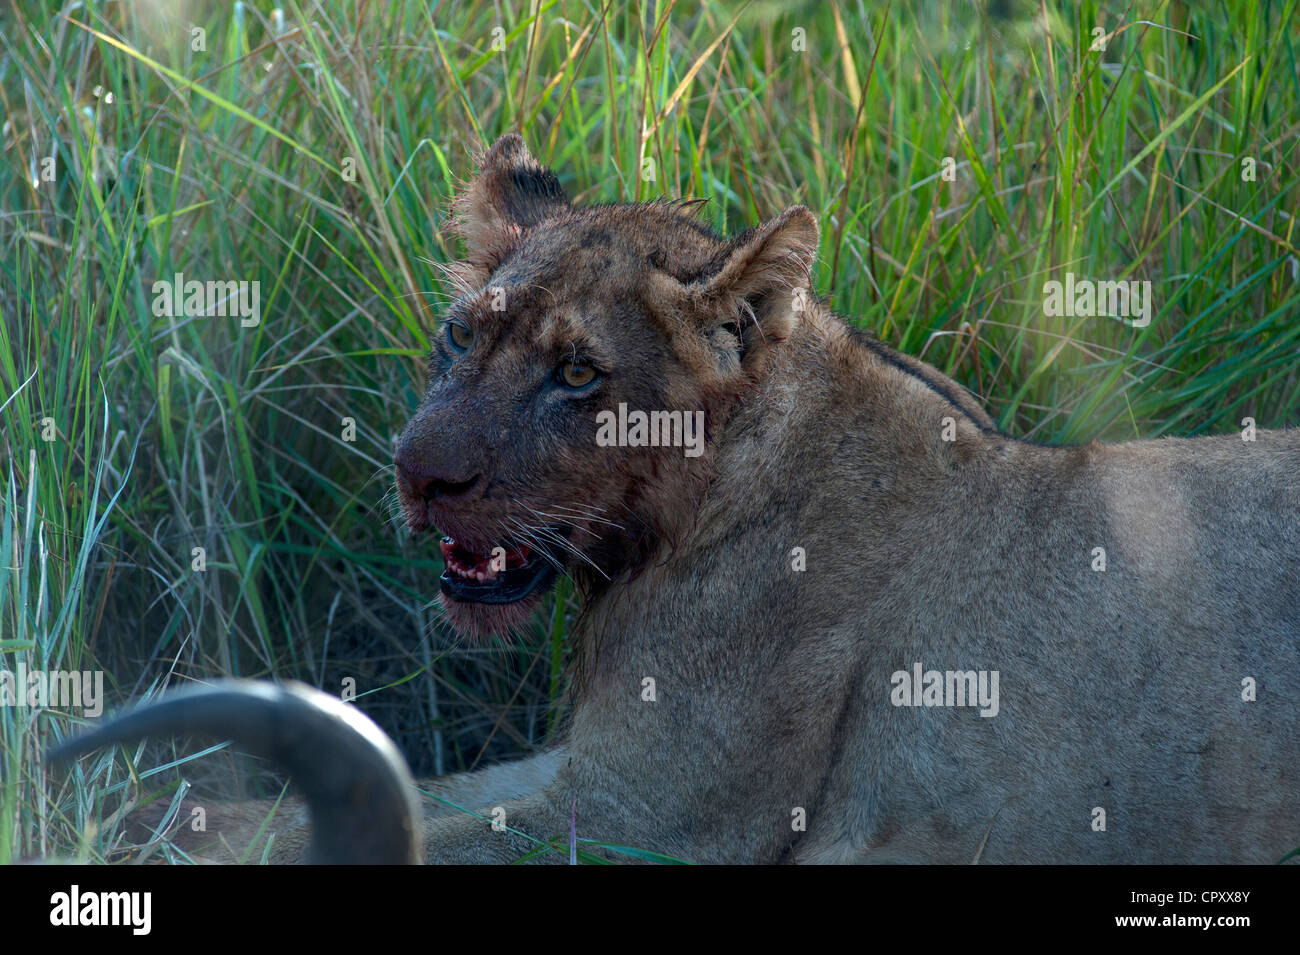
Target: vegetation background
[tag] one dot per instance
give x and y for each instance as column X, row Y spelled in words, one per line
column 314, row 147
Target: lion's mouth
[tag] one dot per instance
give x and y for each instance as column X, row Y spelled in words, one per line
column 504, row 575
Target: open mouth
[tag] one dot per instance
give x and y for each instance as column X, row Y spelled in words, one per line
column 503, row 576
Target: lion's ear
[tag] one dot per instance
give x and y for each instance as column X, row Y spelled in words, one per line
column 766, row 271
column 512, row 192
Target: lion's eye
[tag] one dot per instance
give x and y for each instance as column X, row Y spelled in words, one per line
column 459, row 336
column 576, row 374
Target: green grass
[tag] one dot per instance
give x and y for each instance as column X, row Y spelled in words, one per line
column 228, row 163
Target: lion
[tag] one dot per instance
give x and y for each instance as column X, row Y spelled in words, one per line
column 830, row 613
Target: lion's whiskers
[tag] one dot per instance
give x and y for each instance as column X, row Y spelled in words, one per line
column 588, row 515
column 541, row 535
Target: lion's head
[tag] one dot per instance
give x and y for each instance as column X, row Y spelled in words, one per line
column 582, row 340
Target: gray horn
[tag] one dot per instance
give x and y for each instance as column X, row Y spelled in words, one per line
column 359, row 792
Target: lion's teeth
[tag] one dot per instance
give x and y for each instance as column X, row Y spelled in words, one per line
column 480, row 568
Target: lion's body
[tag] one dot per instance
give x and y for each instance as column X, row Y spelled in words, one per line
column 856, row 514
column 1120, row 689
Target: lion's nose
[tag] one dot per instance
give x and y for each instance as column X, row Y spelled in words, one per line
column 431, row 483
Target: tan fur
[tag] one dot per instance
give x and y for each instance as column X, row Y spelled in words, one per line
column 1120, row 689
